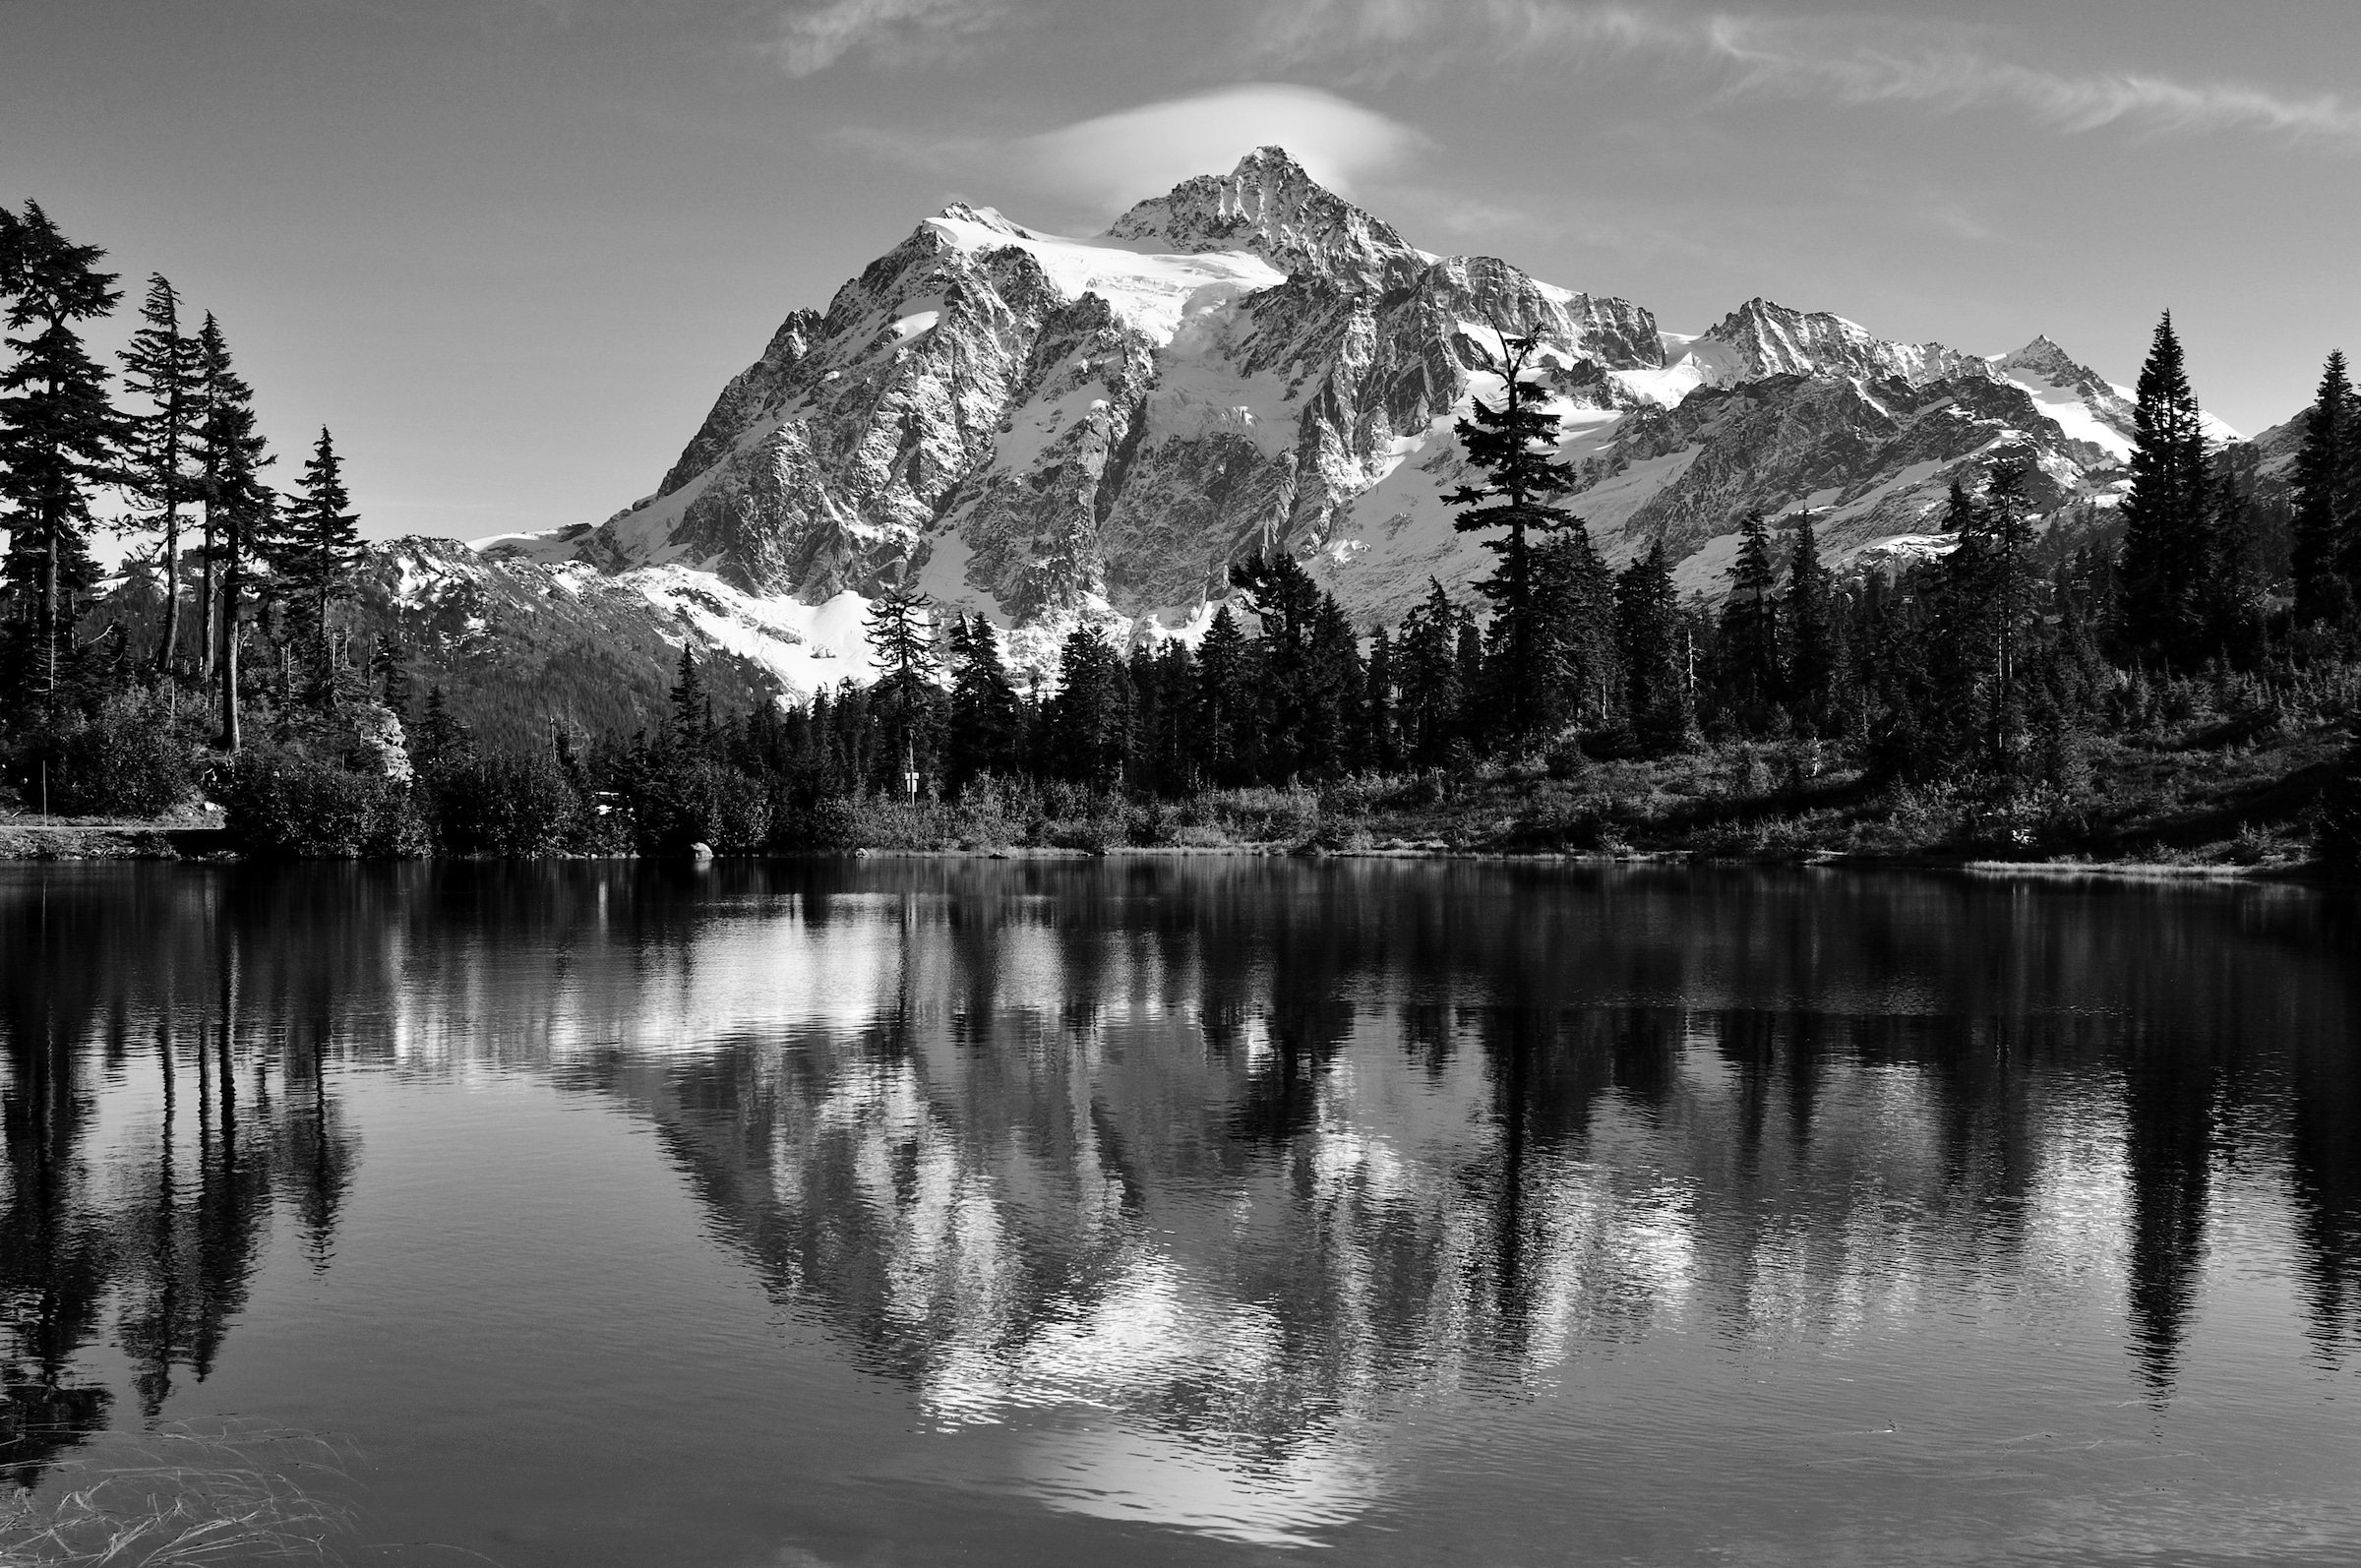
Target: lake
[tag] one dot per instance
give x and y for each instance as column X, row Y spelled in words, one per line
column 1196, row 1211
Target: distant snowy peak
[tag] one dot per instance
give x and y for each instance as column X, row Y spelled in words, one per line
column 2086, row 405
column 2043, row 358
column 1270, row 206
column 1770, row 339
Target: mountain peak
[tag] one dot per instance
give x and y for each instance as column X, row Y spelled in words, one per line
column 1773, row 340
column 2044, row 357
column 1269, row 206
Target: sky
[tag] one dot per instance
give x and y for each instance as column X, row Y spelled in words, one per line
column 511, row 250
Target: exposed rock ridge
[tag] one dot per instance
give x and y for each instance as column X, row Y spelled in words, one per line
column 1776, row 340
column 1270, row 206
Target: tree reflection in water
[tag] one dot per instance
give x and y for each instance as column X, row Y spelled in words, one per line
column 1258, row 1159
column 164, row 1227
column 1240, row 1162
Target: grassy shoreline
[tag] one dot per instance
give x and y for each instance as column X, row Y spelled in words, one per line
column 2211, row 802
column 127, row 843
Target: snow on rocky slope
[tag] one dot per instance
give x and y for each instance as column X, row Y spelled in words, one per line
column 1041, row 428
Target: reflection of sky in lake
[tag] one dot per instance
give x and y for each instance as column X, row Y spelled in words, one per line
column 1411, row 1208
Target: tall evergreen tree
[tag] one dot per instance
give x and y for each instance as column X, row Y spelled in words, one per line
column 1333, row 678
column 1749, row 639
column 1951, row 710
column 1577, row 671
column 2323, row 592
column 1284, row 603
column 442, row 738
column 1225, row 718
column 231, row 456
column 312, row 552
column 1514, row 443
column 690, row 707
column 1380, row 737
column 217, row 385
column 1090, row 717
column 2012, row 590
column 1427, row 659
column 58, row 436
column 2347, row 506
column 1814, row 630
column 2233, row 589
column 2168, row 513
column 161, row 367
column 985, row 725
column 901, row 640
column 1476, row 724
column 1654, row 664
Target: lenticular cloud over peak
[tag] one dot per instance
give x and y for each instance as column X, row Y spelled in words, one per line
column 1110, row 159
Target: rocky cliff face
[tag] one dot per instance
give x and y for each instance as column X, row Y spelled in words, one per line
column 1040, row 427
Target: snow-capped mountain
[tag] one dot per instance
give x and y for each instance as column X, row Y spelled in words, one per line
column 1040, row 427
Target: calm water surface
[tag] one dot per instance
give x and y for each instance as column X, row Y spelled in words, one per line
column 902, row 1213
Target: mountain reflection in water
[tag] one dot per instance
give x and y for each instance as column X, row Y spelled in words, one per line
column 1219, row 1190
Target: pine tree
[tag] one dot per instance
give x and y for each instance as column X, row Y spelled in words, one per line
column 2012, row 590
column 1427, row 659
column 397, row 690
column 1284, row 603
column 162, row 367
column 690, row 707
column 2232, row 590
column 1578, row 669
column 1749, row 631
column 1647, row 609
column 2347, row 503
column 1950, row 712
column 238, row 508
column 1178, row 759
column 2166, row 515
column 2322, row 591
column 985, row 722
column 901, row 640
column 442, row 738
column 1090, row 717
column 1514, row 443
column 1814, row 632
column 58, row 435
column 313, row 553
column 1476, row 724
column 1333, row 678
column 1380, row 738
column 1225, row 710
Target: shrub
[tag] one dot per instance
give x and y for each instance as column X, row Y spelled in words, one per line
column 133, row 758
column 506, row 804
column 285, row 805
column 695, row 799
column 2337, row 822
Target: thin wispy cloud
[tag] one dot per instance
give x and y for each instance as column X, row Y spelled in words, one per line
column 1856, row 61
column 1144, row 151
column 1103, row 164
column 813, row 37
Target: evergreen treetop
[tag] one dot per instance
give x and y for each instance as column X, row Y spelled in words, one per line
column 2166, row 512
column 314, row 549
column 2324, row 499
column 1514, row 444
column 163, row 368
column 58, row 429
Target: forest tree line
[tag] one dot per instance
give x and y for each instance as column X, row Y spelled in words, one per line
column 1993, row 662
